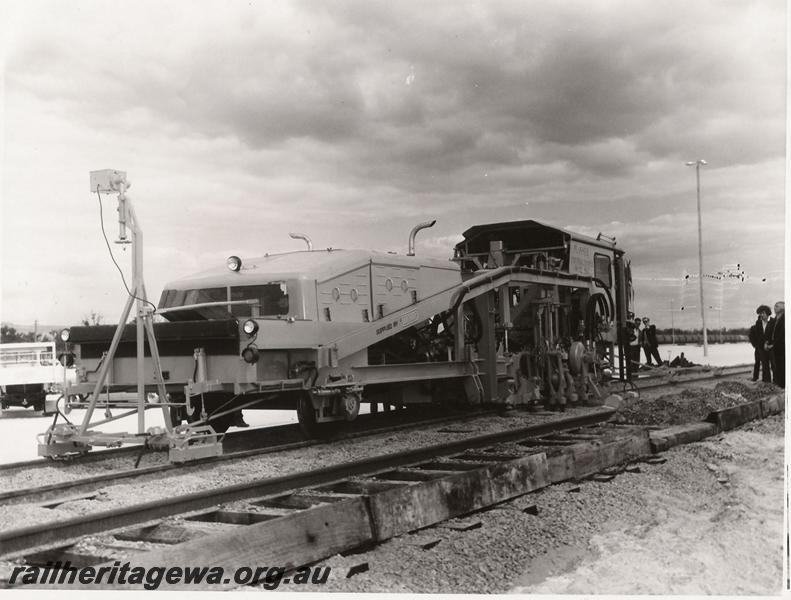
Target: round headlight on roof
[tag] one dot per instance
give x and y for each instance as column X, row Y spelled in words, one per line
column 234, row 263
column 250, row 327
column 65, row 334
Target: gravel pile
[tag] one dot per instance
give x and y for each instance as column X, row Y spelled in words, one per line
column 691, row 404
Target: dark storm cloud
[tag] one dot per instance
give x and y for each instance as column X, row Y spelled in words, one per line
column 271, row 95
column 436, row 97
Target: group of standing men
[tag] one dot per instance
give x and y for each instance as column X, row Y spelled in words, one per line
column 768, row 338
column 642, row 334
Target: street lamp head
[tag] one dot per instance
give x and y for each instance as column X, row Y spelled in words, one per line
column 693, row 163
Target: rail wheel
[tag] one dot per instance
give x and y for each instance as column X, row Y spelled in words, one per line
column 350, row 405
column 450, row 394
column 306, row 415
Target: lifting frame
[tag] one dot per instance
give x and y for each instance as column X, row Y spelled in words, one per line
column 185, row 442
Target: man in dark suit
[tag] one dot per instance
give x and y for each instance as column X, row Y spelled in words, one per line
column 776, row 343
column 758, row 338
column 650, row 342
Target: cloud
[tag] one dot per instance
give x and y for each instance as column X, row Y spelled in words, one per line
column 479, row 93
column 355, row 120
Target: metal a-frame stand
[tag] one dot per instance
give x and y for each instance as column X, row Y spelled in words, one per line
column 68, row 438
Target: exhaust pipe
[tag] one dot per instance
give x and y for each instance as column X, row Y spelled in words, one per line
column 413, row 233
column 302, row 236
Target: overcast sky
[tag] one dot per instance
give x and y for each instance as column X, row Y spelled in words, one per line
column 238, row 122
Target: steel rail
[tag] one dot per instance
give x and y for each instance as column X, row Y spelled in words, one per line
column 234, row 436
column 100, row 455
column 84, row 458
column 15, row 542
column 88, row 484
column 641, row 383
column 680, row 377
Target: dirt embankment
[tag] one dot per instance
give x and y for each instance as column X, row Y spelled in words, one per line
column 709, row 521
column 691, row 404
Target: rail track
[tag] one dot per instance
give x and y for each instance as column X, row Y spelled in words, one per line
column 284, row 438
column 375, row 425
column 35, row 463
column 646, row 380
column 664, row 377
column 253, row 438
column 62, row 533
column 305, row 517
column 231, row 440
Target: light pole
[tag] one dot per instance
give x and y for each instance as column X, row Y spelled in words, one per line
column 697, row 164
column 672, row 323
column 719, row 320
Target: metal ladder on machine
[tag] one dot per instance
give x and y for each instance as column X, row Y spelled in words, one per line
column 184, row 442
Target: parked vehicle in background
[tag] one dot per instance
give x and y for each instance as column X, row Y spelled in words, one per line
column 28, row 372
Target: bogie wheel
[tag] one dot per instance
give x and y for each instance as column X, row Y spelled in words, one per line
column 306, row 415
column 450, row 394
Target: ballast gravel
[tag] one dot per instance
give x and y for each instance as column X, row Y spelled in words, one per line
column 198, row 478
column 695, row 524
column 690, row 404
column 70, row 470
column 709, row 520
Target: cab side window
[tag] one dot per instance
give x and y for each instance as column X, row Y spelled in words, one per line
column 272, row 300
column 601, row 268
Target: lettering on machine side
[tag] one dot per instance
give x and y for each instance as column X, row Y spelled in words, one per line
column 404, row 321
column 384, row 328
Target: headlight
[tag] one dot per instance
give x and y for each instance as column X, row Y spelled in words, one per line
column 234, row 263
column 250, row 327
column 250, row 355
column 65, row 334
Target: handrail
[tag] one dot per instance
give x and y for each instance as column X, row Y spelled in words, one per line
column 162, row 311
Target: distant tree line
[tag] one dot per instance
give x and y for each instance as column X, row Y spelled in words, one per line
column 709, row 330
column 9, row 335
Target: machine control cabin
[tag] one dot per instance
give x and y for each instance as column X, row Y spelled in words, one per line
column 535, row 245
